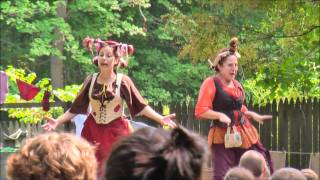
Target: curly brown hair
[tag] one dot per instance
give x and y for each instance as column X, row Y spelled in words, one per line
column 53, row 156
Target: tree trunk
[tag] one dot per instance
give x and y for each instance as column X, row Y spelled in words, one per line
column 56, row 64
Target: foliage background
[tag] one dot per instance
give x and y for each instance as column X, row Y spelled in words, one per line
column 172, row 40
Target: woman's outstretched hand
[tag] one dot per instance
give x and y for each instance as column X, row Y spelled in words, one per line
column 257, row 117
column 51, row 124
column 224, row 118
column 168, row 120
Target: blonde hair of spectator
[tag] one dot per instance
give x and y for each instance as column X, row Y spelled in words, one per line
column 288, row 174
column 53, row 156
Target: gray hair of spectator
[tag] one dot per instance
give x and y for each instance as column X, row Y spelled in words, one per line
column 253, row 161
column 288, row 174
column 238, row 173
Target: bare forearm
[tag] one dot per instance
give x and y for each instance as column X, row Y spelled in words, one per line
column 210, row 115
column 67, row 116
column 251, row 114
column 257, row 117
column 150, row 113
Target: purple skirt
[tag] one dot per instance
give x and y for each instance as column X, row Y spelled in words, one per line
column 223, row 159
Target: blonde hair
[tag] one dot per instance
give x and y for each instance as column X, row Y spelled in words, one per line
column 53, row 156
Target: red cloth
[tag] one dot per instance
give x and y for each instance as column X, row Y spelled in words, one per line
column 103, row 136
column 27, row 91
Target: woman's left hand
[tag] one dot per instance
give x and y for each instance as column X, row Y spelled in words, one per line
column 168, row 120
column 257, row 117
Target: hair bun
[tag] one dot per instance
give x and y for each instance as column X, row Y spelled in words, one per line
column 180, row 138
column 233, row 44
column 87, row 43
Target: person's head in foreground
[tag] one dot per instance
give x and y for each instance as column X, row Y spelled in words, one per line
column 53, row 156
column 255, row 162
column 157, row 154
column 238, row 173
column 287, row 174
column 310, row 174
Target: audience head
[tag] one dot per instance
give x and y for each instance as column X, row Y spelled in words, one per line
column 53, row 156
column 310, row 174
column 254, row 162
column 238, row 173
column 158, row 155
column 287, row 174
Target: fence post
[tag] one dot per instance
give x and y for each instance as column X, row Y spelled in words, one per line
column 316, row 125
column 283, row 125
column 274, row 126
column 306, row 133
column 295, row 121
column 67, row 125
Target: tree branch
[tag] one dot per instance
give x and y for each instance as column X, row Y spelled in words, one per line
column 144, row 19
column 261, row 36
column 296, row 35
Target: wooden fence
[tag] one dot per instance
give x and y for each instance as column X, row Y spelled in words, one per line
column 294, row 128
column 11, row 126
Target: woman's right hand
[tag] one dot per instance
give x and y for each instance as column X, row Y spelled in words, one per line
column 224, row 118
column 51, row 124
column 167, row 120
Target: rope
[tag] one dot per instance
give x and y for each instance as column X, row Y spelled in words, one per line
column 305, row 153
column 15, row 135
column 300, row 153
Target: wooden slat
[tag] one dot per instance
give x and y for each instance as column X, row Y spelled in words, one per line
column 255, row 108
column 266, row 127
column 191, row 117
column 315, row 162
column 179, row 113
column 307, row 134
column 316, row 124
column 283, row 125
column 172, row 106
column 278, row 159
column 159, row 107
column 184, row 115
column 294, row 130
column 274, row 126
